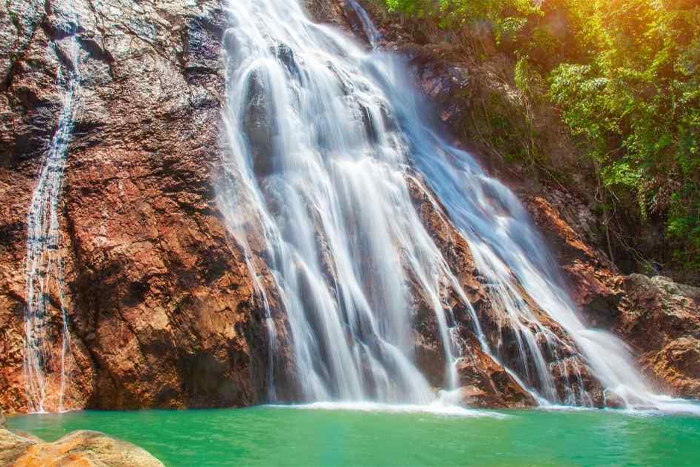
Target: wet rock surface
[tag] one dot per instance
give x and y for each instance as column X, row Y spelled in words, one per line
column 485, row 381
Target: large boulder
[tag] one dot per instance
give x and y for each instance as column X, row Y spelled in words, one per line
column 79, row 448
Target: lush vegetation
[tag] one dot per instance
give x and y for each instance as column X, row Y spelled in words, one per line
column 625, row 78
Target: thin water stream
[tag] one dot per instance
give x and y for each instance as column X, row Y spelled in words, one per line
column 44, row 263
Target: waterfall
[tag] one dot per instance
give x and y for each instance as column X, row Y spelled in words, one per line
column 323, row 139
column 43, row 264
column 318, row 179
column 371, row 32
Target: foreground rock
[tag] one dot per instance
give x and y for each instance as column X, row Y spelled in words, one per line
column 80, row 448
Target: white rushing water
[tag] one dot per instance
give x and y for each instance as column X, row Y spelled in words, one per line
column 44, row 268
column 323, row 136
column 436, row 407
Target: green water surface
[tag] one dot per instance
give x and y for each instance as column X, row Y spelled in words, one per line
column 273, row 436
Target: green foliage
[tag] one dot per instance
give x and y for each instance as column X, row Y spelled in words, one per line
column 505, row 18
column 636, row 101
column 528, row 79
column 625, row 76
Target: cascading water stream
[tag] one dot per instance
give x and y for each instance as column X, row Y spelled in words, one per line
column 323, row 138
column 44, row 268
column 328, row 204
column 509, row 252
column 371, row 32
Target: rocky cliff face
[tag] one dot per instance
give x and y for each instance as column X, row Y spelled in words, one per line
column 162, row 311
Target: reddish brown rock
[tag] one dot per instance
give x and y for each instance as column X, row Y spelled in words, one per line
column 477, row 370
column 678, row 364
column 487, row 384
column 661, row 320
column 77, row 449
column 161, row 310
column 657, row 317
